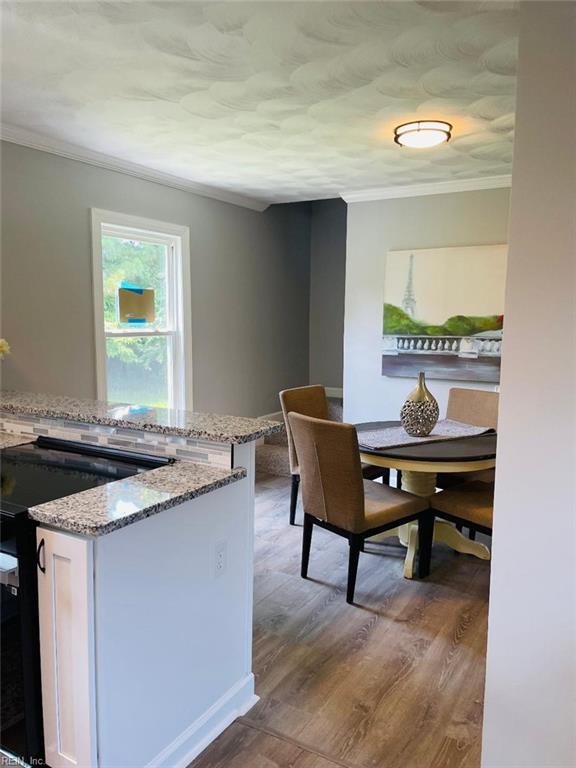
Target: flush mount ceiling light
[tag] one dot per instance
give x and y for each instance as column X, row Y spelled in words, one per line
column 423, row 133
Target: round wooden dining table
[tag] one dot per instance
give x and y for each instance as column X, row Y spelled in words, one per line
column 420, row 463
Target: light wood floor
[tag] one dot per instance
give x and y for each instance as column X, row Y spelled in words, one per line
column 396, row 681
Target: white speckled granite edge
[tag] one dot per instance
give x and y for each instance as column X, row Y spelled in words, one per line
column 208, row 426
column 107, row 508
column 10, row 439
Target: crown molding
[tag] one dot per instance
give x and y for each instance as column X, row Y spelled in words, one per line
column 429, row 188
column 27, row 138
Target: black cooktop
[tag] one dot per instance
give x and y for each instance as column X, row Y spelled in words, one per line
column 48, row 469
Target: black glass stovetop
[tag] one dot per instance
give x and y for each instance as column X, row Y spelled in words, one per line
column 48, row 469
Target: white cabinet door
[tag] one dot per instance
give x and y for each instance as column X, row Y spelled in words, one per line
column 66, row 611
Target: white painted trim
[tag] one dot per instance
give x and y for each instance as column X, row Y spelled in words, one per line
column 186, row 318
column 429, row 188
column 99, row 218
column 27, row 138
column 202, row 732
column 148, row 226
column 98, row 303
column 276, row 416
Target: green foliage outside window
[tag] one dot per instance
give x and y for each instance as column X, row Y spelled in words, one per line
column 143, row 264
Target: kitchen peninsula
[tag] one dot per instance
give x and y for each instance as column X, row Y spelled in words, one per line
column 144, row 583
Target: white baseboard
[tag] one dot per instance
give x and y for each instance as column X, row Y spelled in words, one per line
column 276, row 416
column 330, row 392
column 202, row 732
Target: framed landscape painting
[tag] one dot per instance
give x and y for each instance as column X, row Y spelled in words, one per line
column 444, row 312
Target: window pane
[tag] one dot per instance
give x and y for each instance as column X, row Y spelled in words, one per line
column 136, row 263
column 137, row 370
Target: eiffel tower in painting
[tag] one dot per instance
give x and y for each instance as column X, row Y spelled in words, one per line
column 409, row 300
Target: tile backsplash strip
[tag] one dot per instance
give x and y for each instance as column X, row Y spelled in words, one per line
column 201, row 451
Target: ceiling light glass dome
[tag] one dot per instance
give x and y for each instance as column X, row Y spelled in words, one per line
column 422, row 133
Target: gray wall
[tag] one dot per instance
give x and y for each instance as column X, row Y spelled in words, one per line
column 327, row 278
column 530, row 681
column 464, row 218
column 250, row 282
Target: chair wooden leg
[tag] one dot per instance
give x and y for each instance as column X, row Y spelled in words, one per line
column 306, row 542
column 472, row 534
column 459, row 527
column 355, row 544
column 398, row 478
column 386, row 476
column 425, row 539
column 294, row 498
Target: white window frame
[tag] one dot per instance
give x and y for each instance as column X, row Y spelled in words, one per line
column 177, row 238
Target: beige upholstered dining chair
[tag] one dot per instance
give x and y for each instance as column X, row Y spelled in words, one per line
column 478, row 407
column 473, row 406
column 469, row 504
column 336, row 496
column 311, row 401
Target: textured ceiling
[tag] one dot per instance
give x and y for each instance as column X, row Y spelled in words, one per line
column 278, row 101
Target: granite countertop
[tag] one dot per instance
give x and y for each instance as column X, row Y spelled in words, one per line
column 204, row 426
column 107, row 508
column 9, row 439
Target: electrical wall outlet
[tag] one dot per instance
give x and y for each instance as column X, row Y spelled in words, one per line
column 220, row 558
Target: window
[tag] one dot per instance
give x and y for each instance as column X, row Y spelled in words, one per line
column 142, row 310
